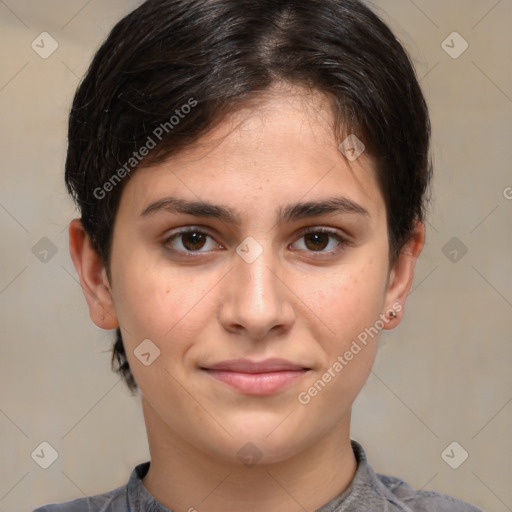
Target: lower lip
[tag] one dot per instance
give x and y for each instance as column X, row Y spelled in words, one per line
column 258, row 383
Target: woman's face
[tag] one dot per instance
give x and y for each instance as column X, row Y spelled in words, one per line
column 255, row 262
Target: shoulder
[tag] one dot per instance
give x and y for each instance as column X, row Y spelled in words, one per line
column 421, row 500
column 371, row 491
column 112, row 501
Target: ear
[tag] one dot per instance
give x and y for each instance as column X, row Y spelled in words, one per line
column 401, row 276
column 93, row 277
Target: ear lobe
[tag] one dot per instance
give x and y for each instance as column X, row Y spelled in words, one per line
column 402, row 275
column 93, row 277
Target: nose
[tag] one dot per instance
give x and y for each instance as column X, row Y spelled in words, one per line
column 256, row 299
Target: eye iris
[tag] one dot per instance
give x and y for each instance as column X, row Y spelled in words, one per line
column 319, row 241
column 193, row 240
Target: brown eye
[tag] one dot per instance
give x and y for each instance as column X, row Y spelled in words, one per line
column 191, row 240
column 321, row 240
column 317, row 241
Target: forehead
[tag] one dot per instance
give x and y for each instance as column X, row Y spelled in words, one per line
column 276, row 150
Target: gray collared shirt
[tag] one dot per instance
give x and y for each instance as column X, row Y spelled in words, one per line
column 368, row 492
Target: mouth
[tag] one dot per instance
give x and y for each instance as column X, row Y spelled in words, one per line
column 257, row 378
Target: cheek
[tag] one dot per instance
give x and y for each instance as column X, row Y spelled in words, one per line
column 349, row 300
column 348, row 303
column 350, row 309
column 165, row 308
column 151, row 298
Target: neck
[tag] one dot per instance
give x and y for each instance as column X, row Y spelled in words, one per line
column 185, row 479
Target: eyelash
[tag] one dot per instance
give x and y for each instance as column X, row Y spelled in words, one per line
column 343, row 242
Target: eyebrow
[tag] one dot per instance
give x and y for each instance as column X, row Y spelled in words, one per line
column 295, row 211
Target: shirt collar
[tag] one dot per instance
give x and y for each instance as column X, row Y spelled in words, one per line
column 365, row 492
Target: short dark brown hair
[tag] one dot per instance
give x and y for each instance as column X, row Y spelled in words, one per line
column 171, row 70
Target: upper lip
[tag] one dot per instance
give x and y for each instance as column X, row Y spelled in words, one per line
column 248, row 366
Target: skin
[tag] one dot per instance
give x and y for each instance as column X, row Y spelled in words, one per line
column 304, row 299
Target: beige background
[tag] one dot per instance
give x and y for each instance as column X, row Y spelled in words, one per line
column 442, row 376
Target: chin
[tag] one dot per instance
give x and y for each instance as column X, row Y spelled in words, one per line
column 267, row 438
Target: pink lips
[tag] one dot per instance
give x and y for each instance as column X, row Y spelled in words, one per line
column 257, row 378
